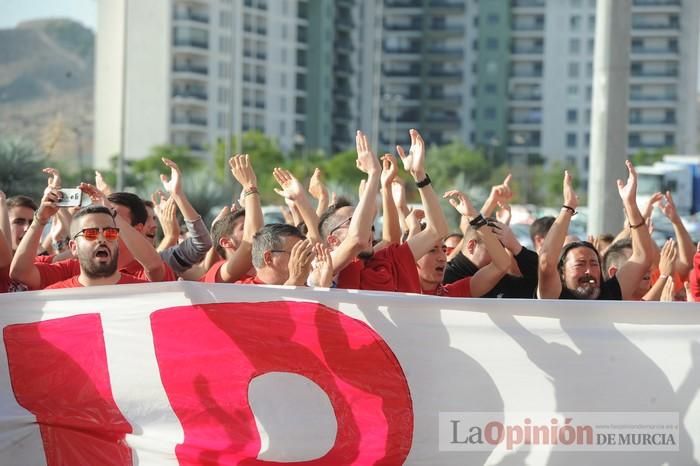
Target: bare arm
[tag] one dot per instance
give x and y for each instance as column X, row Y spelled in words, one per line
column 499, row 193
column 686, row 247
column 241, row 260
column 391, row 229
column 638, row 264
column 668, row 257
column 362, row 219
column 549, row 281
column 294, row 191
column 319, row 191
column 436, row 228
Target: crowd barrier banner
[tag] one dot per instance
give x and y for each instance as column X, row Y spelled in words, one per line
column 192, row 374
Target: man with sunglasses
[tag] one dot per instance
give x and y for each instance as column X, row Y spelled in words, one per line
column 574, row 272
column 95, row 242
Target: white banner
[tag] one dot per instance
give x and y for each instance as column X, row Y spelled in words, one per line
column 187, row 373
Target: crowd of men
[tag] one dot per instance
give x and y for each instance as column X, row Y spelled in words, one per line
column 113, row 240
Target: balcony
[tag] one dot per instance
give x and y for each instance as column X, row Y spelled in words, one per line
column 450, row 5
column 637, row 120
column 196, row 43
column 189, row 120
column 522, row 50
column 402, row 73
column 403, row 3
column 526, row 73
column 444, row 100
column 656, row 3
column 415, row 50
column 192, row 16
column 525, row 97
column 343, row 68
column 190, row 94
column 645, row 25
column 655, row 51
column 415, row 25
column 673, row 73
column 527, row 3
column 445, row 54
column 193, row 69
column 528, row 27
column 444, row 74
column 635, row 97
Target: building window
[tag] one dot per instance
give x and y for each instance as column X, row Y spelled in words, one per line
column 490, row 88
column 571, row 140
column 575, row 23
column 491, row 43
column 574, row 46
column 572, row 90
column 490, row 113
column 493, row 18
column 572, row 115
column 573, row 70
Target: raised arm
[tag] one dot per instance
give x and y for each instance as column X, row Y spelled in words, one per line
column 666, row 261
column 487, row 277
column 391, row 229
column 293, row 190
column 22, row 268
column 548, row 280
column 631, row 273
column 686, row 247
column 5, row 240
column 319, row 192
column 363, row 216
column 436, row 228
column 238, row 263
column 499, row 194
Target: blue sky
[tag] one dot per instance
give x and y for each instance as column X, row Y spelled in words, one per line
column 16, row 11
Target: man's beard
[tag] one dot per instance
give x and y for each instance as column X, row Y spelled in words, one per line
column 98, row 269
column 586, row 289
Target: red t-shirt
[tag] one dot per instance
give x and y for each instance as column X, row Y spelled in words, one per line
column 250, row 280
column 4, row 279
column 459, row 289
column 694, row 279
column 390, row 269
column 51, row 273
column 73, row 282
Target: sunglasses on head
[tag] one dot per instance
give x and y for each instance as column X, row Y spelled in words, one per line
column 91, row 234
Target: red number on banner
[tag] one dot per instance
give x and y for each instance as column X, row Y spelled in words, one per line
column 59, row 373
column 208, row 354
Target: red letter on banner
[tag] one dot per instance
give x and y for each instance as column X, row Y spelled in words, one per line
column 59, row 373
column 208, row 354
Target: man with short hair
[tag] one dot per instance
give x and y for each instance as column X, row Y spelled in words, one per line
column 281, row 256
column 574, row 272
column 538, row 231
column 20, row 210
column 94, row 241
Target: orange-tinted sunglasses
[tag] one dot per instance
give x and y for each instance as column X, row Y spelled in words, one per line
column 91, row 234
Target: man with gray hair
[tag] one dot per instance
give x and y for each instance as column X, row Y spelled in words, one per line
column 281, row 256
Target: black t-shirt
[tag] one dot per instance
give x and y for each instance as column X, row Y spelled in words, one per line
column 509, row 286
column 609, row 290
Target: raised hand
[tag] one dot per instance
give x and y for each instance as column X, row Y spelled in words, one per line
column 461, row 203
column 102, row 184
column 656, row 197
column 323, row 265
column 242, row 171
column 414, row 162
column 366, row 160
column 399, row 192
column 316, row 186
column 668, row 291
column 668, row 207
column 96, row 196
column 504, row 213
column 54, row 180
column 628, row 189
column 570, row 197
column 291, row 187
column 667, row 258
column 300, row 260
column 174, row 185
column 502, row 192
column 389, row 171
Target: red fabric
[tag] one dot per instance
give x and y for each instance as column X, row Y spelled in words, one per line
column 4, row 279
column 73, row 282
column 46, row 259
column 694, row 280
column 212, row 275
column 250, row 280
column 226, row 345
column 136, row 269
column 59, row 374
column 390, row 269
column 51, row 273
column 459, row 289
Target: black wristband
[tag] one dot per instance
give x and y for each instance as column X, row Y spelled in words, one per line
column 642, row 223
column 478, row 222
column 425, row 182
column 570, row 209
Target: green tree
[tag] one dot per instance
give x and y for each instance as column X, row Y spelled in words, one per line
column 21, row 169
column 456, row 165
column 648, row 157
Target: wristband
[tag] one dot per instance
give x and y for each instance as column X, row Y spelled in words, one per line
column 634, row 227
column 478, row 222
column 663, row 276
column 570, row 209
column 249, row 191
column 425, row 182
column 36, row 219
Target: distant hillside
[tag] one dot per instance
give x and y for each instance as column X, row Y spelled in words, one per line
column 46, row 86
